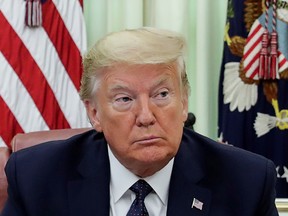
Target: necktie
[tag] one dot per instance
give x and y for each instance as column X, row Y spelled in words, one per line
column 141, row 188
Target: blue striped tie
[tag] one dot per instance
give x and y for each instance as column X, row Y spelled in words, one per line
column 141, row 188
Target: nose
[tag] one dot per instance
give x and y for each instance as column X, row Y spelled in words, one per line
column 144, row 114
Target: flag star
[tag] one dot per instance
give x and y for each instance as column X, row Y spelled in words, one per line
column 277, row 170
column 285, row 175
column 220, row 138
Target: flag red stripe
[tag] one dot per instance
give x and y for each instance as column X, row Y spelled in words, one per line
column 256, row 57
column 248, row 52
column 281, row 63
column 9, row 121
column 81, row 3
column 255, row 31
column 63, row 42
column 36, row 83
column 255, row 72
column 250, row 64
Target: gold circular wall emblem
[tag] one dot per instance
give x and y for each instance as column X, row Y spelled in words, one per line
column 282, row 10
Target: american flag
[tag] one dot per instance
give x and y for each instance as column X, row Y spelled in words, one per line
column 40, row 68
column 197, row 204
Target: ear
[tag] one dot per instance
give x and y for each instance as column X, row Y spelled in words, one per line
column 93, row 115
column 185, row 108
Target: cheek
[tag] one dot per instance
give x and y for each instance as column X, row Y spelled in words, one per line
column 175, row 116
column 117, row 128
column 173, row 124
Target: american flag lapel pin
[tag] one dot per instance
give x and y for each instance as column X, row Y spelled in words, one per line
column 197, row 204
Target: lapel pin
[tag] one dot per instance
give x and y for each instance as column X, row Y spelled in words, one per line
column 197, row 204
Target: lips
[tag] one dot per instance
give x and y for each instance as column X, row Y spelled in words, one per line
column 147, row 140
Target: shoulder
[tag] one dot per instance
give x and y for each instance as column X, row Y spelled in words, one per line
column 234, row 176
column 40, row 174
column 50, row 156
column 78, row 142
column 222, row 153
column 226, row 163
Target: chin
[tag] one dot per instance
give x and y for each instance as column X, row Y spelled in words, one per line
column 156, row 156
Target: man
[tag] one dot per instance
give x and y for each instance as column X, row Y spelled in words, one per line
column 135, row 90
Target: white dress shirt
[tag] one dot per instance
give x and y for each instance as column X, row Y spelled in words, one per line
column 122, row 179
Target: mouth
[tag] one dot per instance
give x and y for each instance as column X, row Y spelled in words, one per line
column 147, row 140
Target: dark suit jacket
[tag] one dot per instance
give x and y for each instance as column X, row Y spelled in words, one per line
column 71, row 178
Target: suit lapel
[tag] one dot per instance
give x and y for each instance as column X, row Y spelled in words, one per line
column 88, row 189
column 183, row 194
column 185, row 185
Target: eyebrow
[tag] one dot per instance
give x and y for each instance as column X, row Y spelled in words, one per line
column 120, row 87
column 161, row 81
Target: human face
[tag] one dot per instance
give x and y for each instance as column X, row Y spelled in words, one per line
column 141, row 110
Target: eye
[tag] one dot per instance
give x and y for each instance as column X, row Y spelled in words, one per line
column 123, row 99
column 122, row 102
column 162, row 94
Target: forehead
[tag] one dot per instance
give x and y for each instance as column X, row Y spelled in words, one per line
column 140, row 73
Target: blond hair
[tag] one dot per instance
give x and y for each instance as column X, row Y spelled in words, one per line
column 137, row 46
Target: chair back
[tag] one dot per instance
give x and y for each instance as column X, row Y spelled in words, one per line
column 24, row 140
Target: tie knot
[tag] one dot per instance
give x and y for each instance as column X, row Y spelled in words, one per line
column 141, row 188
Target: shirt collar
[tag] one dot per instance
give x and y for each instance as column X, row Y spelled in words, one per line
column 122, row 179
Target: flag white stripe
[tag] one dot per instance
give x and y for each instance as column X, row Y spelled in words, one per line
column 72, row 15
column 255, row 37
column 285, row 65
column 251, row 70
column 252, row 55
column 18, row 99
column 250, row 44
column 36, row 40
column 34, row 13
column 255, row 50
column 29, row 8
column 2, row 143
